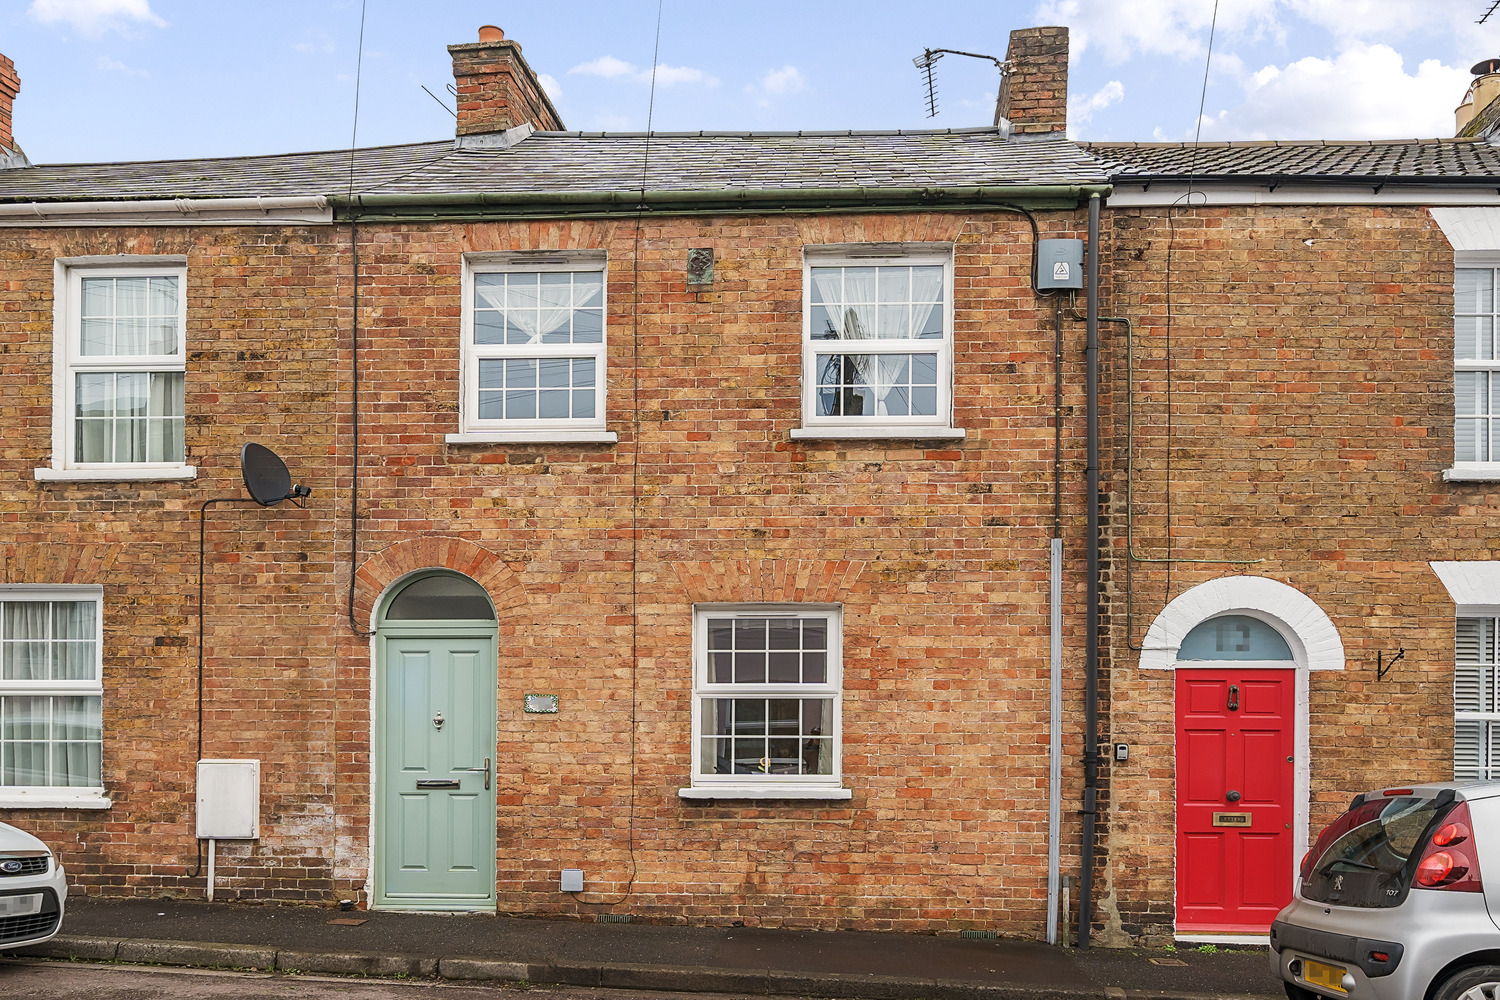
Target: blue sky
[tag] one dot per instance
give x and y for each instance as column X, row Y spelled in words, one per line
column 158, row 79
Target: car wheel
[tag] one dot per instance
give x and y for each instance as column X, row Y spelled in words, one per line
column 1481, row 982
column 1296, row 992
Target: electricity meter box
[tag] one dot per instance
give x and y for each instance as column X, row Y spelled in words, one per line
column 1059, row 264
column 228, row 799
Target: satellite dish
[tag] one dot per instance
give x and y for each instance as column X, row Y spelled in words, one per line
column 265, row 475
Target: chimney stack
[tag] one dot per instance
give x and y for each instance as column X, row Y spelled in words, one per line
column 1034, row 90
column 10, row 86
column 1479, row 114
column 496, row 89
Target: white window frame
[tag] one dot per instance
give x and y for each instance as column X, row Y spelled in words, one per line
column 939, row 425
column 69, row 361
column 58, row 796
column 1469, row 470
column 767, row 786
column 473, row 430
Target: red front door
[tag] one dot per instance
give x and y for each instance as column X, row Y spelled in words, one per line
column 1234, row 798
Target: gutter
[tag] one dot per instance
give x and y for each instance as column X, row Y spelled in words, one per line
column 297, row 210
column 482, row 205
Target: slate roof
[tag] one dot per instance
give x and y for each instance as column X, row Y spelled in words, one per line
column 579, row 162
column 1420, row 160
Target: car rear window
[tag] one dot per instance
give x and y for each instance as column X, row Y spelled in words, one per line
column 1364, row 858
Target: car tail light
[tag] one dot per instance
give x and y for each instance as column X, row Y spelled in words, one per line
column 1446, row 863
column 1305, row 869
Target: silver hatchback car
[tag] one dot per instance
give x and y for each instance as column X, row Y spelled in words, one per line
column 1393, row 904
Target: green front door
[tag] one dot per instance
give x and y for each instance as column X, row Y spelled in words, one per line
column 435, row 759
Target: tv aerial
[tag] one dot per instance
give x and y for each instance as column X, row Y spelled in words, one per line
column 266, row 476
column 924, row 63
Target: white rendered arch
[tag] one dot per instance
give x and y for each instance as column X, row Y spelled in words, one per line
column 1315, row 645
column 1314, row 639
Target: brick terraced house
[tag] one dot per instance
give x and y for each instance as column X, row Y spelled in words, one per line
column 627, row 584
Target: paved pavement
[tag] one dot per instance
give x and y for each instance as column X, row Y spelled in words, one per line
column 640, row 956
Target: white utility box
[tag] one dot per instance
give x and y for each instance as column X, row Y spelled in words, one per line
column 228, row 799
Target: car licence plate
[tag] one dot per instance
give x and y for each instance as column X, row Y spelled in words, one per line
column 20, row 906
column 1328, row 976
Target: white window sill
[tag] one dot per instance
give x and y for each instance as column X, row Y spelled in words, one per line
column 533, row 437
column 121, row 474
column 878, row 433
column 53, row 799
column 1476, row 473
column 765, row 792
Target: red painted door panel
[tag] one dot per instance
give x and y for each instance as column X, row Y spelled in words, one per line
column 1234, row 735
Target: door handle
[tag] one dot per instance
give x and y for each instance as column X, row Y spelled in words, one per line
column 485, row 769
column 1234, row 697
column 1233, row 796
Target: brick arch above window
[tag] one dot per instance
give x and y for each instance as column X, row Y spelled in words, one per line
column 382, row 570
column 58, row 562
column 792, row 581
column 1312, row 635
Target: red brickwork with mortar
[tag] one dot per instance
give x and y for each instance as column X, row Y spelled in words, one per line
column 594, row 555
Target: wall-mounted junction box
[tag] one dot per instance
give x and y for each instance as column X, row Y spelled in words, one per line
column 1059, row 264
column 228, row 799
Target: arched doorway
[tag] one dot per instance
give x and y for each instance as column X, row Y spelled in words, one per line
column 1242, row 648
column 434, row 737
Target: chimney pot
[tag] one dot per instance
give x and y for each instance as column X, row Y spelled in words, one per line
column 490, row 33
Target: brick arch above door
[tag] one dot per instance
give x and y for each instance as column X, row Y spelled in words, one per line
column 376, row 575
column 1312, row 635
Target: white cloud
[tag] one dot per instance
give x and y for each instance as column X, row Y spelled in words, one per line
column 1176, row 28
column 550, row 85
column 115, row 66
column 605, row 66
column 1388, row 20
column 1364, row 92
column 1081, row 109
column 94, row 17
column 775, row 83
column 786, row 80
column 611, row 68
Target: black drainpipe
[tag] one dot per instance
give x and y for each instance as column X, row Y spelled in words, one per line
column 1091, row 668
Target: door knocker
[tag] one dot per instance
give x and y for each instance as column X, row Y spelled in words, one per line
column 438, row 720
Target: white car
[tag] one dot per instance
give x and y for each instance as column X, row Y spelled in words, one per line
column 33, row 890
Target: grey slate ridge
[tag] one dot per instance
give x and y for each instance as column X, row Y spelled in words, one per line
column 1411, row 160
column 561, row 162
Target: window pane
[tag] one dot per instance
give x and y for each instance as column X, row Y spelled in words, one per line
column 1234, row 637
column 520, row 405
column 520, row 374
column 588, row 289
column 98, row 336
column 1471, row 750
column 441, row 596
column 1473, row 290
column 588, row 326
column 721, row 633
column 99, row 297
column 489, row 326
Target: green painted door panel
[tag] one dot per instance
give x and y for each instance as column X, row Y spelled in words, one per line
column 435, row 846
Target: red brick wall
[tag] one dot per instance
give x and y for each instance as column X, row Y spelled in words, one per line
column 595, row 555
column 1310, row 371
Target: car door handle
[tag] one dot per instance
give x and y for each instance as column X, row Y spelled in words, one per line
column 1234, row 697
column 485, row 769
